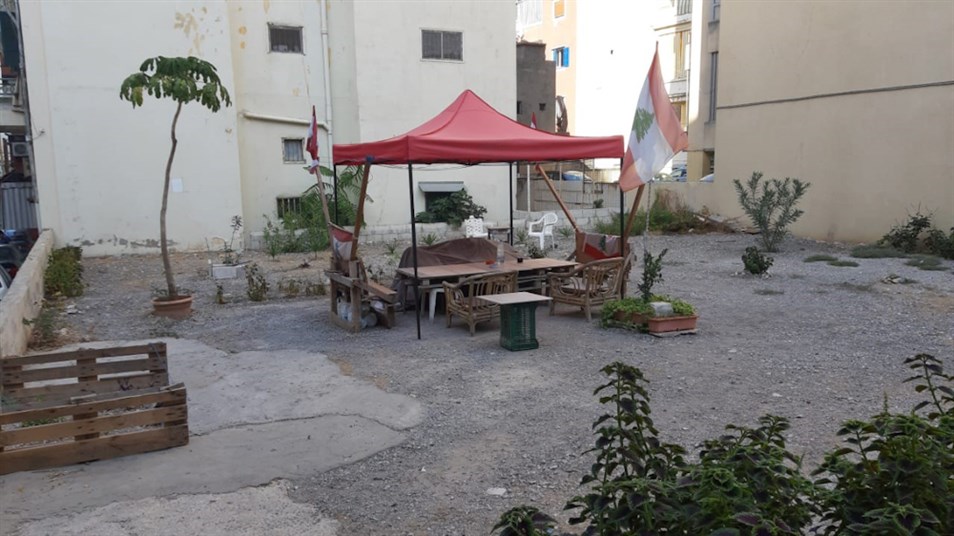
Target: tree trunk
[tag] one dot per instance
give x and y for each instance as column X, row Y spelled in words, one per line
column 166, row 265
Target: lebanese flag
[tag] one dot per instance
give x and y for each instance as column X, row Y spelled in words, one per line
column 656, row 135
column 533, row 120
column 311, row 145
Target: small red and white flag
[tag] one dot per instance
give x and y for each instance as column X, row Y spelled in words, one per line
column 533, row 120
column 656, row 135
column 311, row 143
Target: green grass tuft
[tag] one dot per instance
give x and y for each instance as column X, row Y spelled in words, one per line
column 876, row 252
column 768, row 292
column 843, row 264
column 926, row 262
column 820, row 258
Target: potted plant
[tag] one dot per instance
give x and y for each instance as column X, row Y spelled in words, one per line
column 230, row 267
column 183, row 80
column 653, row 312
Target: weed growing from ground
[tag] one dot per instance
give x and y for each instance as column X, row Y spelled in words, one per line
column 755, row 262
column 843, row 264
column 820, row 258
column 257, row 284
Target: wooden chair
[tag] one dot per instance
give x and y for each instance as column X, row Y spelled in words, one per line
column 588, row 285
column 461, row 298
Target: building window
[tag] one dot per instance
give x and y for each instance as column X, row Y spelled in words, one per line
column 716, row 10
column 683, row 7
column 561, row 57
column 680, row 108
column 559, row 8
column 713, row 85
column 293, row 150
column 529, row 12
column 287, row 205
column 543, row 106
column 285, row 39
column 708, row 162
column 440, row 45
column 519, row 107
column 681, row 47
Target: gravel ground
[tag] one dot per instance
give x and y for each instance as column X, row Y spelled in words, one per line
column 816, row 343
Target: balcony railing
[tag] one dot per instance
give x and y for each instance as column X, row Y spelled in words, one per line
column 683, row 7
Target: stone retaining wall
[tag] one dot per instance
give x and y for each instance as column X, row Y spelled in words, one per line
column 25, row 298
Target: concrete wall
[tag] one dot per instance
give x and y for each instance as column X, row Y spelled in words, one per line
column 277, row 105
column 705, row 41
column 536, row 85
column 872, row 155
column 99, row 162
column 555, row 33
column 396, row 90
column 25, row 298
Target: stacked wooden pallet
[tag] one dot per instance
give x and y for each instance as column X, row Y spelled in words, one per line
column 88, row 404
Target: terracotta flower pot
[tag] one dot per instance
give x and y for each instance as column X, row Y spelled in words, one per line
column 177, row 308
column 663, row 324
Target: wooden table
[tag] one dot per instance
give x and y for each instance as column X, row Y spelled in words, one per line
column 518, row 319
column 531, row 273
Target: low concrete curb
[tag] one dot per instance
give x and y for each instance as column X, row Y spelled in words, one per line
column 25, row 298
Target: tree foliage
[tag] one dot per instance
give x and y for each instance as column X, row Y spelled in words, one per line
column 183, row 80
column 771, row 206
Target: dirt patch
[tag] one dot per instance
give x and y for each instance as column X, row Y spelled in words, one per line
column 824, row 345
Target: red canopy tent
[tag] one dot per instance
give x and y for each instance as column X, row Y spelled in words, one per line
column 470, row 131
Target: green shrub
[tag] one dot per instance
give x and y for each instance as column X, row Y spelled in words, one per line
column 820, row 258
column 905, row 236
column 453, row 209
column 64, row 273
column 257, row 284
column 875, row 252
column 771, row 206
column 894, row 476
column 45, row 326
column 843, row 264
column 925, row 262
column 665, row 216
column 756, row 263
column 896, row 473
column 940, row 244
column 524, row 521
column 652, row 273
column 627, row 307
column 598, row 203
column 429, row 239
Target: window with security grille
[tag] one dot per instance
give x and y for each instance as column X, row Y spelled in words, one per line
column 293, row 151
column 441, row 45
column 287, row 205
column 285, row 39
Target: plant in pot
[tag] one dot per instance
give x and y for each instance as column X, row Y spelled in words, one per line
column 183, row 80
column 229, row 267
column 653, row 312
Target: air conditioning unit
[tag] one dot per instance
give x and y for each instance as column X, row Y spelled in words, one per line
column 20, row 149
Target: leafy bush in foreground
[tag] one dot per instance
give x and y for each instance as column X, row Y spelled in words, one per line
column 896, row 476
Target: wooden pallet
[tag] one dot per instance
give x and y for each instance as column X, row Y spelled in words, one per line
column 88, row 404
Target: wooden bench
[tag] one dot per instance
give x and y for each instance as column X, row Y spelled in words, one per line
column 357, row 289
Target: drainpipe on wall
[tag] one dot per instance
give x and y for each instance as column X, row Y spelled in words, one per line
column 326, row 62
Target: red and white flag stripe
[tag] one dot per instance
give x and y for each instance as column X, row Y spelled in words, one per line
column 656, row 135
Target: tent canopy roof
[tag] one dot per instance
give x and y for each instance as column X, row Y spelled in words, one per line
column 470, row 131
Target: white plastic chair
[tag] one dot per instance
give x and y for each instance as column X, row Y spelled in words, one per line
column 474, row 227
column 544, row 227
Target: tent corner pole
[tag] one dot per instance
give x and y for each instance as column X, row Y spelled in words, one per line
column 335, row 193
column 417, row 282
column 510, row 234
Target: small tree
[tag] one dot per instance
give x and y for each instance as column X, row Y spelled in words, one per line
column 771, row 206
column 183, row 80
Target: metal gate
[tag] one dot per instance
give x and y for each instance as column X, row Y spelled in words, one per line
column 17, row 210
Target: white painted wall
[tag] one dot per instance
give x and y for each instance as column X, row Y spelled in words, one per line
column 99, row 162
column 283, row 86
column 395, row 90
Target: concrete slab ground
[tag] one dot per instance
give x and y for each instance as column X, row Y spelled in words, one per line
column 254, row 417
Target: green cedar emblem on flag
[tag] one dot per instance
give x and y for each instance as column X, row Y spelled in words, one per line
column 641, row 123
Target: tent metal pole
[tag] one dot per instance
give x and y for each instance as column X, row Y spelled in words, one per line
column 622, row 218
column 510, row 233
column 336, row 193
column 417, row 282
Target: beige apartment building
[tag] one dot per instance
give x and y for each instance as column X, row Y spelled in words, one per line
column 855, row 97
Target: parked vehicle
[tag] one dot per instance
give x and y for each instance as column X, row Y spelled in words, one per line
column 17, row 238
column 10, row 259
column 5, row 282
